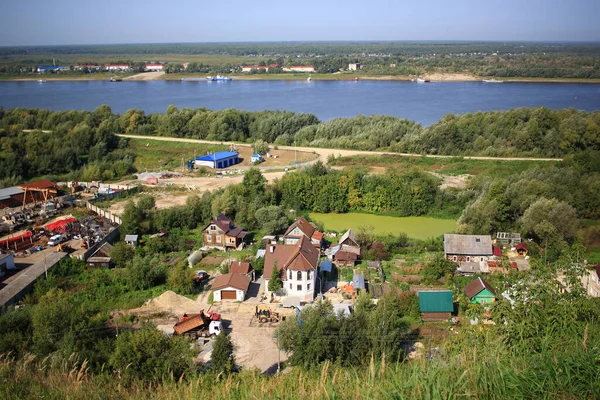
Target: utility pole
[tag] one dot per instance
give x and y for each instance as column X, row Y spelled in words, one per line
column 278, row 350
column 45, row 268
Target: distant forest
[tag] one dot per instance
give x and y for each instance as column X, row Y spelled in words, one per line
column 494, row 59
column 81, row 142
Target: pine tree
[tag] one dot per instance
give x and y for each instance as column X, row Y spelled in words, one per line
column 222, row 355
column 275, row 281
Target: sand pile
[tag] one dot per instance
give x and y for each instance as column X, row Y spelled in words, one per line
column 170, row 302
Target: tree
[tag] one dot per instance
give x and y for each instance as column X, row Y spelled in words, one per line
column 222, row 358
column 437, row 268
column 271, row 219
column 148, row 355
column 546, row 219
column 275, row 281
column 121, row 254
column 131, row 219
column 181, row 279
column 253, row 183
column 145, row 272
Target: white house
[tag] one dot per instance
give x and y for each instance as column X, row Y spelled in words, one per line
column 154, row 67
column 117, row 67
column 231, row 286
column 302, row 228
column 354, row 66
column 249, row 68
column 7, row 262
column 299, row 68
column 297, row 266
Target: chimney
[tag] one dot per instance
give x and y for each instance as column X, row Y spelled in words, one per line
column 271, row 248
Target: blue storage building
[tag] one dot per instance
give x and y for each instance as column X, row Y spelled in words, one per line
column 222, row 159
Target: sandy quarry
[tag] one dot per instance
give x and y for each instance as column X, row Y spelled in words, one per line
column 145, row 76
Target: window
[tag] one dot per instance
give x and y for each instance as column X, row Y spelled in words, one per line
column 209, row 238
column 218, row 239
column 481, row 259
column 290, row 286
column 213, row 228
column 290, row 276
column 309, row 277
column 299, row 276
column 308, row 287
column 454, row 258
column 299, row 288
column 468, row 258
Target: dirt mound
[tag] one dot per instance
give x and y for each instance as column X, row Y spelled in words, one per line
column 169, row 302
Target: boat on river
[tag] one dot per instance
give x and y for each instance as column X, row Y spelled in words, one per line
column 41, row 81
column 218, row 78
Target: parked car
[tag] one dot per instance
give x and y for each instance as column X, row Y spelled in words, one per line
column 202, row 275
column 55, row 240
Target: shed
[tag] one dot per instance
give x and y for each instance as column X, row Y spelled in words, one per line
column 358, row 281
column 479, row 291
column 222, row 159
column 7, row 262
column 230, row 286
column 256, row 158
column 436, row 305
column 521, row 249
column 101, row 257
column 131, row 240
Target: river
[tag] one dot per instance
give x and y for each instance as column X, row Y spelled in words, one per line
column 422, row 102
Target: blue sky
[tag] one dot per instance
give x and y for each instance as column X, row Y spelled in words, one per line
column 51, row 22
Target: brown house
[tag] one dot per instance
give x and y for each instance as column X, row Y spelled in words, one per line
column 242, row 268
column 345, row 258
column 101, row 257
column 222, row 234
column 301, row 227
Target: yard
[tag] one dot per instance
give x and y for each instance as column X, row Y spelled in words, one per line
column 415, row 227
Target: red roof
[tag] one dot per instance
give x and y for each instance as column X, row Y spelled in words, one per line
column 317, row 236
column 497, row 251
column 302, row 66
column 42, row 184
column 243, row 267
column 345, row 256
column 301, row 256
column 237, row 281
column 521, row 246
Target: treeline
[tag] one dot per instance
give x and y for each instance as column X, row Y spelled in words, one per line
column 546, row 204
column 78, row 143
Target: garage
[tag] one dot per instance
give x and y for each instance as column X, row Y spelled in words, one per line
column 231, row 286
column 228, row 295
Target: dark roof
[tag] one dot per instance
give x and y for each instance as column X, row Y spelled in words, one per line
column 436, row 301
column 597, row 268
column 468, row 244
column 243, row 267
column 345, row 256
column 103, row 251
column 227, row 226
column 303, row 225
column 476, row 286
column 301, row 256
column 521, row 246
column 237, row 281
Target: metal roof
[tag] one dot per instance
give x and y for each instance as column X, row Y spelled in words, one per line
column 468, row 244
column 358, row 281
column 218, row 156
column 131, row 238
column 9, row 191
column 436, row 301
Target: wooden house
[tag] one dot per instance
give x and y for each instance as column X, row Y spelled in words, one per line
column 480, row 292
column 222, row 234
column 470, row 252
column 436, row 305
column 101, row 257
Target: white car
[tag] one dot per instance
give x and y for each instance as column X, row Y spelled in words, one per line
column 55, row 240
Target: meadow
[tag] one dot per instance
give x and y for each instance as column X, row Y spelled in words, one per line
column 415, row 227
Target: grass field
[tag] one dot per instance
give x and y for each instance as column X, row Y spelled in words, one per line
column 154, row 155
column 415, row 227
column 444, row 166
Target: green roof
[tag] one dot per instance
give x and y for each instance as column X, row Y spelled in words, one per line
column 438, row 301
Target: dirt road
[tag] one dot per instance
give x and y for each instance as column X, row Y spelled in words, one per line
column 324, row 153
column 145, row 76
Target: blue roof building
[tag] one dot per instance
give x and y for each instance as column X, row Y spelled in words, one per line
column 256, row 158
column 222, row 159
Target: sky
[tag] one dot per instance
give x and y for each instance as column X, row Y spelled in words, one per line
column 57, row 22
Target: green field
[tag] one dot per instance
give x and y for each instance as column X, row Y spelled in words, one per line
column 415, row 227
column 155, row 155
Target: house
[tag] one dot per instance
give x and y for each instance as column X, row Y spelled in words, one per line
column 230, row 286
column 131, row 240
column 436, row 305
column 243, row 268
column 470, row 252
column 52, row 68
column 117, row 67
column 591, row 281
column 249, row 68
column 508, row 238
column 302, row 228
column 79, row 67
column 345, row 258
column 348, row 239
column 154, row 67
column 7, row 262
column 256, row 158
column 101, row 257
column 297, row 266
column 479, row 292
column 222, row 159
column 11, row 197
column 222, row 234
column 354, row 66
column 299, row 68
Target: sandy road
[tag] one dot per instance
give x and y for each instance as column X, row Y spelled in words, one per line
column 324, row 153
column 145, row 76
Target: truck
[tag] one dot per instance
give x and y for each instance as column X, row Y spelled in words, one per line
column 199, row 325
column 264, row 314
